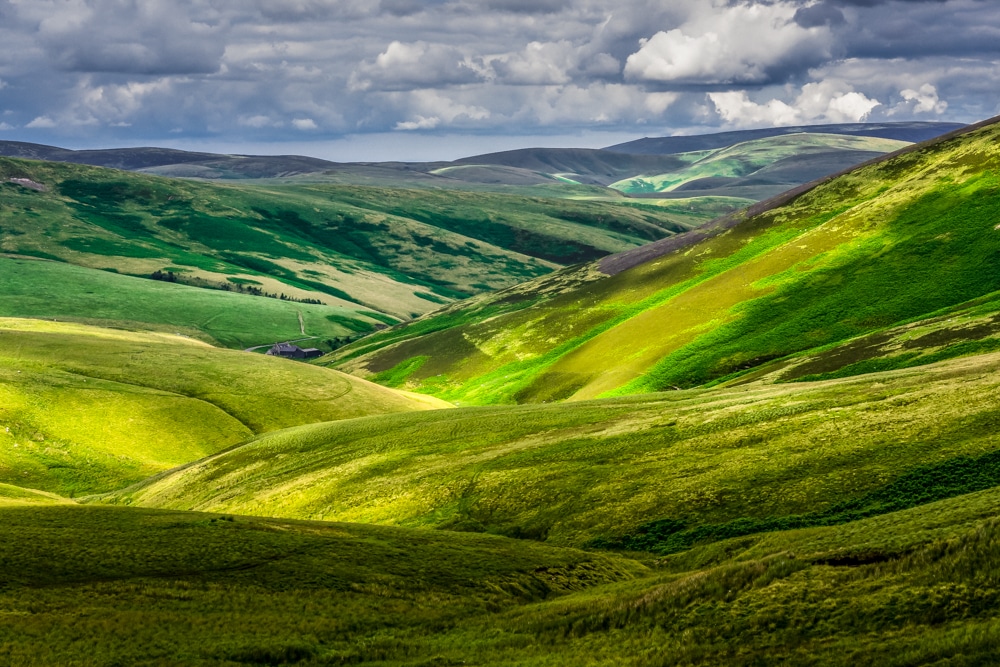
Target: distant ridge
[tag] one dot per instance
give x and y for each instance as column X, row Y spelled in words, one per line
column 140, row 158
column 915, row 132
column 616, row 263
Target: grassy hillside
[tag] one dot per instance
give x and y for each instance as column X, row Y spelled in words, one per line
column 46, row 289
column 886, row 244
column 85, row 409
column 400, row 252
column 661, row 473
column 767, row 166
column 103, row 586
column 844, row 522
column 185, row 588
column 913, row 132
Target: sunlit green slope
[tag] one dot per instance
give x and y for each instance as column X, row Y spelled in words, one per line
column 883, row 245
column 401, row 252
column 662, row 472
column 41, row 288
column 764, row 163
column 85, row 409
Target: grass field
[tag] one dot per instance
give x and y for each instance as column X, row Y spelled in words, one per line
column 86, row 409
column 660, row 473
column 45, row 289
column 885, row 245
column 910, row 580
column 818, row 483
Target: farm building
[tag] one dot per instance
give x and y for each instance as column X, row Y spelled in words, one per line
column 290, row 351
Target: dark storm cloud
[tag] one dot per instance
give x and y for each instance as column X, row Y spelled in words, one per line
column 130, row 37
column 291, row 69
column 819, row 15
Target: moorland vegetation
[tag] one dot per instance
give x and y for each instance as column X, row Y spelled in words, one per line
column 780, row 448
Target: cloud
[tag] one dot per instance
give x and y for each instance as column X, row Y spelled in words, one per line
column 258, row 121
column 419, row 123
column 820, row 14
column 528, row 6
column 5, row 127
column 419, row 64
column 42, row 122
column 430, row 109
column 746, row 43
column 538, row 64
column 128, row 36
column 924, row 100
column 828, row 102
column 117, row 71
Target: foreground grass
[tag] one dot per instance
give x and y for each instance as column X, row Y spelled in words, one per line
column 85, row 409
column 104, row 586
column 108, row 586
column 660, row 473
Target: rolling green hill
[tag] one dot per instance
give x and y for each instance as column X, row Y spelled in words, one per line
column 47, row 289
column 844, row 522
column 889, row 243
column 100, row 586
column 86, row 409
column 817, row 481
column 393, row 251
column 763, row 167
column 662, row 472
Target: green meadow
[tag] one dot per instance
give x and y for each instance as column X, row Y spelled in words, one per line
column 917, row 586
column 761, row 160
column 658, row 473
column 47, row 289
column 87, row 409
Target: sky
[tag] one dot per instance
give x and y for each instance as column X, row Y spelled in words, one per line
column 440, row 79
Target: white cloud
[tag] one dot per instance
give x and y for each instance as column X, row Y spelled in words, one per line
column 539, row 63
column 41, row 122
column 304, row 124
column 924, row 100
column 833, row 101
column 743, row 43
column 738, row 110
column 420, row 123
column 117, row 71
column 4, row 127
column 828, row 102
column 414, row 65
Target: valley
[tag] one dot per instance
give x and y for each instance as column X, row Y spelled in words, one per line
column 557, row 423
